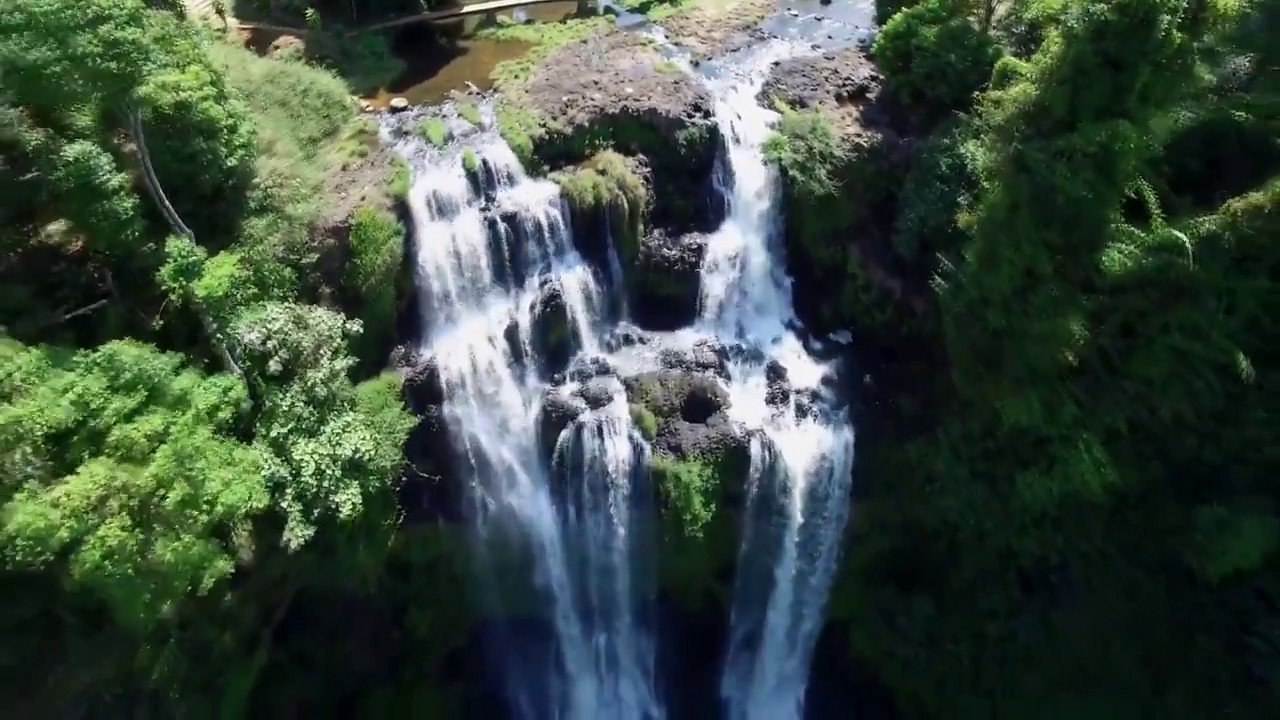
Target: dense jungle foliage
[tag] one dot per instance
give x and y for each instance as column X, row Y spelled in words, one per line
column 1064, row 301
column 1070, row 506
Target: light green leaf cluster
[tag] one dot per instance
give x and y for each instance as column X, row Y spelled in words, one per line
column 120, row 463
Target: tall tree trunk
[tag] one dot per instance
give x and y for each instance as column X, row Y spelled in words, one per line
column 177, row 227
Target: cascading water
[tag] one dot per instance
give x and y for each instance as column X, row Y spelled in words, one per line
column 504, row 296
column 499, row 284
column 802, row 462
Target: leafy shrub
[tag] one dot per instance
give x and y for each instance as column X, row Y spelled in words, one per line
column 686, row 486
column 377, row 245
column 934, row 59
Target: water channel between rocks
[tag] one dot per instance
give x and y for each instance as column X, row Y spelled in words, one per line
column 515, row 320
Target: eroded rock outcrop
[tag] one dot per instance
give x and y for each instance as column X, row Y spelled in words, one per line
column 664, row 282
column 616, row 91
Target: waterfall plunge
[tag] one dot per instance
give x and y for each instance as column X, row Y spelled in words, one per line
column 490, row 247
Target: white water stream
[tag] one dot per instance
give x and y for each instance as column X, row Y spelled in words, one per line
column 496, row 267
column 802, row 464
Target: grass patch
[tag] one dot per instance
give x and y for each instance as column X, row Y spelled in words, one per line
column 469, row 112
column 519, row 126
column 357, row 140
column 433, row 130
column 307, row 126
column 543, row 38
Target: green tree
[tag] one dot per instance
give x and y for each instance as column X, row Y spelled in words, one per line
column 934, row 59
column 118, row 464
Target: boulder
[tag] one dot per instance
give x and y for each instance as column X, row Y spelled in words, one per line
column 624, row 335
column 423, row 385
column 558, row 410
column 586, row 367
column 677, row 394
column 707, row 356
column 778, row 392
column 597, row 392
column 665, row 283
column 398, row 104
column 552, row 331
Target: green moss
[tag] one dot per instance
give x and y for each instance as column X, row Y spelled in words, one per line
column 401, row 179
column 645, row 421
column 376, row 247
column 469, row 112
column 667, row 67
column 470, row 161
column 519, row 126
column 433, row 130
column 821, row 173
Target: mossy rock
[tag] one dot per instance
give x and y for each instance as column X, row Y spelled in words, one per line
column 679, row 153
column 608, row 197
column 701, row 520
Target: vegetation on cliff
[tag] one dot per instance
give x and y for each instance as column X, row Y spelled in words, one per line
column 1071, row 489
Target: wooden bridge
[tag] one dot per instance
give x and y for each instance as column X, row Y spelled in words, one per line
column 489, row 6
column 199, row 8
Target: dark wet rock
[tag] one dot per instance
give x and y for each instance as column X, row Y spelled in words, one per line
column 586, row 367
column 552, row 331
column 432, row 488
column 778, row 392
column 744, row 353
column 714, row 438
column 806, row 404
column 423, row 385
column 844, row 83
column 701, row 402
column 558, row 410
column 597, row 392
column 707, row 356
column 625, row 335
column 511, row 335
column 666, row 281
column 671, row 394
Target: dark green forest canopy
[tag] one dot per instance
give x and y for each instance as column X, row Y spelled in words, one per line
column 1068, row 508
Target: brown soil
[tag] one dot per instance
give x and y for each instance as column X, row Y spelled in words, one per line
column 612, row 73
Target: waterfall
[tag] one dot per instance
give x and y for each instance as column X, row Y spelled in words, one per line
column 500, row 286
column 516, row 320
column 802, row 462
